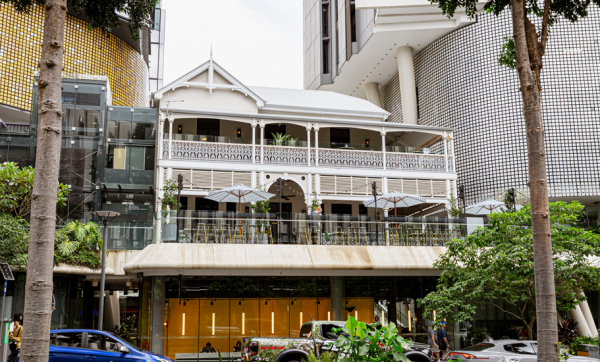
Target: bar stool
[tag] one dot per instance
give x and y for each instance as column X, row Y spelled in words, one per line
column 315, row 235
column 238, row 234
column 200, row 232
column 226, row 234
column 303, row 235
column 253, row 234
column 338, row 236
column 268, row 233
column 361, row 236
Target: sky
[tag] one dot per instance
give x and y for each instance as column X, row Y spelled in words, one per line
column 257, row 41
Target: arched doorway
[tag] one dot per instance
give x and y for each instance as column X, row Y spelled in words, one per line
column 291, row 202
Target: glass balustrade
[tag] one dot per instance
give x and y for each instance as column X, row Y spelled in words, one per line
column 292, row 228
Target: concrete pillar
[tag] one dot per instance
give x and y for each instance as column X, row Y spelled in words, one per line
column 157, row 327
column 337, row 299
column 582, row 326
column 372, row 90
column 112, row 311
column 587, row 314
column 408, row 88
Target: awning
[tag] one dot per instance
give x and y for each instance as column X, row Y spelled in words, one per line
column 285, row 260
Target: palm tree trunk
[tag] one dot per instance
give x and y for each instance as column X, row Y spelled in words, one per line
column 542, row 243
column 38, row 288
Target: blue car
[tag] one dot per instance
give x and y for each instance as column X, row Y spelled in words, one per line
column 98, row 346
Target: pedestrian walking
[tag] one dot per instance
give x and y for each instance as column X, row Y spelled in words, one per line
column 15, row 339
column 432, row 340
column 443, row 342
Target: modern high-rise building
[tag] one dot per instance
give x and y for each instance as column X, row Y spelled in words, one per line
column 427, row 69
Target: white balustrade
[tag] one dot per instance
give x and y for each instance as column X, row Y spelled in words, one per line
column 297, row 156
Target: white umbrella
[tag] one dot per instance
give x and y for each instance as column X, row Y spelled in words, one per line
column 396, row 199
column 239, row 193
column 485, row 207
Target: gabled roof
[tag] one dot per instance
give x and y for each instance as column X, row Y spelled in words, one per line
column 319, row 101
column 211, row 66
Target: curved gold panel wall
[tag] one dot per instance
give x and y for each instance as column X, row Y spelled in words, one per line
column 86, row 52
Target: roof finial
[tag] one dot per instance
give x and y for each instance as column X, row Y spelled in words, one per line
column 210, row 50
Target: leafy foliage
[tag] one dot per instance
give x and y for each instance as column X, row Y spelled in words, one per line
column 573, row 343
column 508, row 57
column 102, row 14
column 494, row 266
column 16, row 184
column 80, row 235
column 169, row 198
column 369, row 343
column 454, row 209
column 567, row 330
column 14, row 239
column 14, row 243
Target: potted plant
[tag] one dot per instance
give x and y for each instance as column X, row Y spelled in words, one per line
column 169, row 203
column 279, row 139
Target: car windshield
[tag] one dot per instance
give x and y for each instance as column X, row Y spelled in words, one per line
column 125, row 342
column 479, row 347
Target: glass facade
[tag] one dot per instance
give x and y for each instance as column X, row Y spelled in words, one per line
column 193, row 311
column 106, row 168
column 461, row 85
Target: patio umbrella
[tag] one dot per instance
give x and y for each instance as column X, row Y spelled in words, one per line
column 239, row 193
column 485, row 207
column 396, row 199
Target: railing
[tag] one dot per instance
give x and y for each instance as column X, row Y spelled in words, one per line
column 298, row 156
column 272, row 228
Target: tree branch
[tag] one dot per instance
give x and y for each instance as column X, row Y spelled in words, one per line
column 545, row 22
column 511, row 313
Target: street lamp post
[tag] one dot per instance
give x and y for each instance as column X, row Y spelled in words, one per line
column 105, row 216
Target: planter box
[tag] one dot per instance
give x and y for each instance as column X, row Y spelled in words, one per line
column 588, row 350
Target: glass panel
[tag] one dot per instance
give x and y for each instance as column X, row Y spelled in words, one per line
column 68, row 339
column 116, row 157
column 68, row 119
column 214, row 323
column 138, row 158
column 182, row 328
column 150, row 157
column 95, row 342
column 360, row 308
column 301, row 311
column 523, row 348
column 243, row 320
column 274, row 318
column 143, row 131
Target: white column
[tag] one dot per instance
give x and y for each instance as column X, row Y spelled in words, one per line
column 316, row 127
column 253, row 141
column 308, row 128
column 161, row 132
column 582, row 325
column 587, row 314
column 262, row 141
column 308, row 198
column 408, row 89
column 384, row 185
column 372, row 90
column 253, row 179
column 171, row 118
column 446, row 149
column 386, row 226
column 383, row 145
column 452, row 152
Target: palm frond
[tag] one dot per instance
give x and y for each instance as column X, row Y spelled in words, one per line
column 67, row 247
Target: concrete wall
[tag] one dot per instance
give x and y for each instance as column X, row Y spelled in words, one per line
column 312, row 43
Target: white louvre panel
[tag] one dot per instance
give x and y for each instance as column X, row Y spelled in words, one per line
column 222, row 180
column 202, row 180
column 360, row 186
column 424, row 187
column 409, row 187
column 314, row 183
column 328, row 185
column 394, row 184
column 343, row 185
column 439, row 188
column 244, row 178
